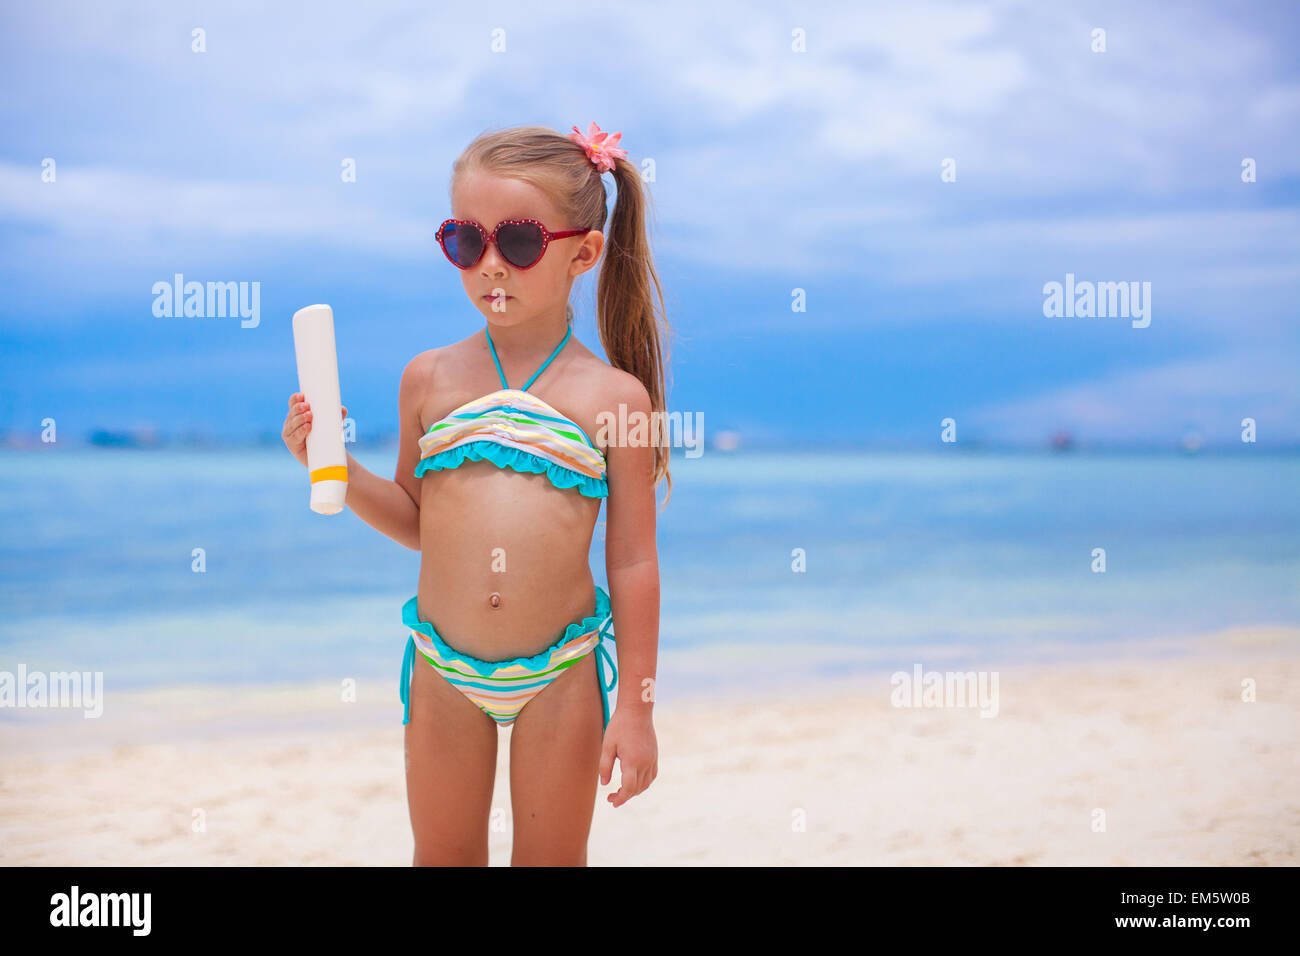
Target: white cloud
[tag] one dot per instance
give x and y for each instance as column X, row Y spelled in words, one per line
column 97, row 202
column 1210, row 395
column 823, row 163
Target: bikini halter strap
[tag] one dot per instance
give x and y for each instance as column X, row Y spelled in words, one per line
column 535, row 374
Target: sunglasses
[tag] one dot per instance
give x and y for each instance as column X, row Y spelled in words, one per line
column 521, row 242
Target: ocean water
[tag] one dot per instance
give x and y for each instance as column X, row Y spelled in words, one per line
column 955, row 557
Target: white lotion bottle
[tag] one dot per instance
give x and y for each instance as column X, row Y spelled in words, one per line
column 318, row 380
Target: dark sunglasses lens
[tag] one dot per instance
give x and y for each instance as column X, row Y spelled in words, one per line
column 520, row 243
column 464, row 244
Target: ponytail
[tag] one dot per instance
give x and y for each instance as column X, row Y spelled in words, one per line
column 630, row 304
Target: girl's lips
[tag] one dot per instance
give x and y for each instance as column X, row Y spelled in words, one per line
column 491, row 297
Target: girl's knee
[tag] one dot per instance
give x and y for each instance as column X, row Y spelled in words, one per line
column 432, row 855
column 552, row 857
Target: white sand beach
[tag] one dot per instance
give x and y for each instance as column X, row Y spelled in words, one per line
column 1121, row 762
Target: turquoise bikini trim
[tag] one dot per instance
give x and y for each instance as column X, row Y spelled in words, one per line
column 515, row 459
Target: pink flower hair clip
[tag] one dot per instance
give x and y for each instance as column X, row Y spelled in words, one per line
column 602, row 148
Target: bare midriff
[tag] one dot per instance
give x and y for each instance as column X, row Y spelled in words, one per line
column 505, row 559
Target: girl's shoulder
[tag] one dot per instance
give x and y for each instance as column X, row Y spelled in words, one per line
column 423, row 374
column 597, row 396
column 611, row 386
column 425, row 364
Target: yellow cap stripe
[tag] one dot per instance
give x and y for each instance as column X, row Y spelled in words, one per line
column 330, row 473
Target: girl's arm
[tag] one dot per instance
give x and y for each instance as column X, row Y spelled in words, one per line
column 393, row 507
column 632, row 560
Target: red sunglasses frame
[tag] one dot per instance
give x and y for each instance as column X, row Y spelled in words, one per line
column 547, row 236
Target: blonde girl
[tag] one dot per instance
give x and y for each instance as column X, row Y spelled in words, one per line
column 508, row 445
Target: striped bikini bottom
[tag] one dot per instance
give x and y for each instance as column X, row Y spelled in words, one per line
column 502, row 688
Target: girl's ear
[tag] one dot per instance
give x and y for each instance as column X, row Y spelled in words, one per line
column 588, row 252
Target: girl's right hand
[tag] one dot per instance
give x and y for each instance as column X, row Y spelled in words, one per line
column 297, row 425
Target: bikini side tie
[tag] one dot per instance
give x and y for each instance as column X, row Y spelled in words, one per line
column 604, row 655
column 404, row 682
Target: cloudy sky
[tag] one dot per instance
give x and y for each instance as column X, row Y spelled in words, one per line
column 795, row 146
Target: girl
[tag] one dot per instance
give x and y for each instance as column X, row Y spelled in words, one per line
column 504, row 458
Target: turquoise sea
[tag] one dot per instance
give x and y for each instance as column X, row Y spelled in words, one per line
column 957, row 557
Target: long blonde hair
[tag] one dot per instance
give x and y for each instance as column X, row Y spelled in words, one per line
column 627, row 287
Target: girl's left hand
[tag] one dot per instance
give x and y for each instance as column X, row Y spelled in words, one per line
column 631, row 738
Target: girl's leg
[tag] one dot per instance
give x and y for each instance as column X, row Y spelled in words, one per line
column 554, row 760
column 451, row 759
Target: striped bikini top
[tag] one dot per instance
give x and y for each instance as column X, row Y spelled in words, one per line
column 514, row 429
